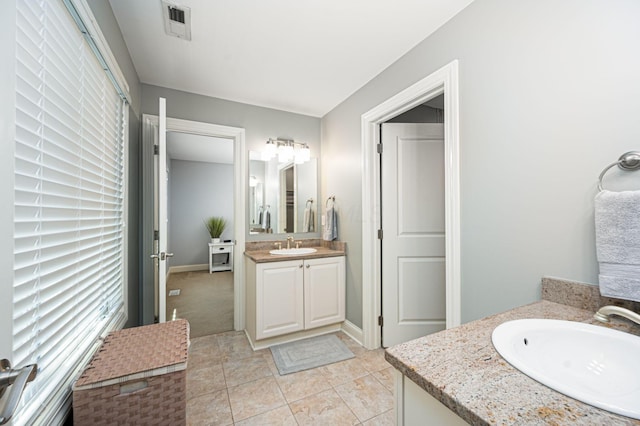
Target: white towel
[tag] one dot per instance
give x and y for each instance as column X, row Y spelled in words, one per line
column 309, row 220
column 617, row 217
column 331, row 225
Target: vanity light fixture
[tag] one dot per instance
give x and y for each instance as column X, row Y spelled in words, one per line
column 301, row 153
column 287, row 150
column 270, row 150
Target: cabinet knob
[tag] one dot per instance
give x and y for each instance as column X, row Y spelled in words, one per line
column 308, row 266
column 301, row 265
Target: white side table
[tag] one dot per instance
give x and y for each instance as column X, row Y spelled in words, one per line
column 224, row 254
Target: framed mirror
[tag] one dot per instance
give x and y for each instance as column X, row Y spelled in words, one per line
column 282, row 197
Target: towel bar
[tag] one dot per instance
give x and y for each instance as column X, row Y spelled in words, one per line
column 628, row 161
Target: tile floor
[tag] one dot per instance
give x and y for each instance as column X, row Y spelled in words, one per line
column 229, row 384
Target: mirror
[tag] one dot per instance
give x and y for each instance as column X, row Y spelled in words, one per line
column 283, row 197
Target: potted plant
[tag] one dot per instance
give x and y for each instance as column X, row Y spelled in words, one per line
column 215, row 225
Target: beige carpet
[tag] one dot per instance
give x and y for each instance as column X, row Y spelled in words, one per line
column 205, row 300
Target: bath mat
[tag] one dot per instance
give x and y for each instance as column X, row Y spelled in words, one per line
column 309, row 353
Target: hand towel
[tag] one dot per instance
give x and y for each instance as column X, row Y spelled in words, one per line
column 267, row 220
column 309, row 220
column 617, row 220
column 331, row 225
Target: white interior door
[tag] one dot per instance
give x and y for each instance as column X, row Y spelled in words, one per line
column 413, row 223
column 162, row 253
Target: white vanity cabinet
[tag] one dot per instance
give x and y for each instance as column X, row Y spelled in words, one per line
column 279, row 298
column 324, row 291
column 294, row 296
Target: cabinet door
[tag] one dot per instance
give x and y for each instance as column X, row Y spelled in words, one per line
column 324, row 291
column 279, row 298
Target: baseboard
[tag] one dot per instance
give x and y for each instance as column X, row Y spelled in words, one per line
column 187, row 268
column 353, row 331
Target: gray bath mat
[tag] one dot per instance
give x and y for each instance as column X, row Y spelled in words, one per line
column 309, row 353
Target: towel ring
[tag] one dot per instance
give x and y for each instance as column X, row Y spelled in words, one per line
column 628, row 161
column 332, row 199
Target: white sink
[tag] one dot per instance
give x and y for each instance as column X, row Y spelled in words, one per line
column 593, row 364
column 293, row 251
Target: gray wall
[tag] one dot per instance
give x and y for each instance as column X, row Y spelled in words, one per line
column 259, row 123
column 198, row 191
column 111, row 31
column 549, row 95
column 7, row 136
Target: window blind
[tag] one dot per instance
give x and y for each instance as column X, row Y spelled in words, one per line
column 69, row 202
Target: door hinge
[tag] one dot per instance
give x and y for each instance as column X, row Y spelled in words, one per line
column 156, row 235
column 156, row 150
column 380, row 321
column 379, row 148
column 379, row 234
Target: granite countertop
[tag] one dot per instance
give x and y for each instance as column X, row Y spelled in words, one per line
column 263, row 256
column 460, row 368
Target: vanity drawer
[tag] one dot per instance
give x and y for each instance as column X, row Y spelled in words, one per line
column 221, row 249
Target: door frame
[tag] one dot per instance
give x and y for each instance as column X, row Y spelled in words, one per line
column 443, row 81
column 237, row 134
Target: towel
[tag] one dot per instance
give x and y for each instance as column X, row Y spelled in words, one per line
column 267, row 220
column 617, row 217
column 331, row 225
column 309, row 220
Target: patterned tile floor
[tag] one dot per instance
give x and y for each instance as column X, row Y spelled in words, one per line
column 229, row 384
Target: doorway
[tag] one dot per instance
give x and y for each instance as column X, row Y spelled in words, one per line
column 200, row 186
column 153, row 300
column 288, row 222
column 442, row 82
column 412, row 217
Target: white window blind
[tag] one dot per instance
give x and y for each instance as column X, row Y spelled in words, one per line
column 69, row 203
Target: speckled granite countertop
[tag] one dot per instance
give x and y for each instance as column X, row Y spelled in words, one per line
column 460, row 368
column 259, row 251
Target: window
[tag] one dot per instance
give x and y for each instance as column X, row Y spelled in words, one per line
column 69, row 209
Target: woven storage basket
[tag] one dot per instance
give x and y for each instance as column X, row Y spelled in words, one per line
column 138, row 376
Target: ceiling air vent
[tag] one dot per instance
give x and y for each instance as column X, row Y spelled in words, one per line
column 177, row 20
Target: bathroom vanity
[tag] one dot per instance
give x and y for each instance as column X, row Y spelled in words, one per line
column 456, row 376
column 293, row 296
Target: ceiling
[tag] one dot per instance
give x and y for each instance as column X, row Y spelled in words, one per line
column 303, row 56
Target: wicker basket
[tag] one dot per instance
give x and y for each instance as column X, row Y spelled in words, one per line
column 138, row 376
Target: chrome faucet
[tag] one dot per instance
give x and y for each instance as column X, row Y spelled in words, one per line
column 289, row 241
column 603, row 314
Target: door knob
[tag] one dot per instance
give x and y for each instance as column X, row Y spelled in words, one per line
column 161, row 255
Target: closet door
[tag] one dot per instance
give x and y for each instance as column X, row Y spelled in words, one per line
column 413, row 223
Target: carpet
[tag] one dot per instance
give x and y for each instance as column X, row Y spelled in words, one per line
column 309, row 353
column 205, row 300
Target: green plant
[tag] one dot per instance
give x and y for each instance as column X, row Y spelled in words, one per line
column 215, row 225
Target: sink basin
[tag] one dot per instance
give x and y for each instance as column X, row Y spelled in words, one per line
column 593, row 364
column 293, row 251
